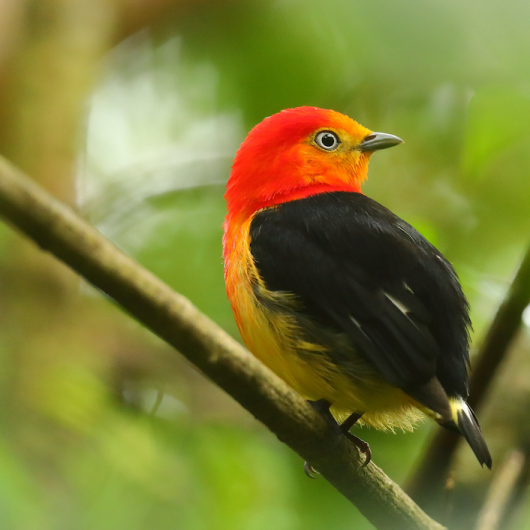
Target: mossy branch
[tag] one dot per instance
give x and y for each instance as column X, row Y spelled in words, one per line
column 57, row 229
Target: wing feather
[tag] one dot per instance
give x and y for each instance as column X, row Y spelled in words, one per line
column 360, row 269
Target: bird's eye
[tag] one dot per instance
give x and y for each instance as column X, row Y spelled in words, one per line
column 327, row 140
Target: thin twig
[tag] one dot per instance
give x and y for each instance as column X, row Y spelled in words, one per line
column 501, row 491
column 57, row 229
column 430, row 475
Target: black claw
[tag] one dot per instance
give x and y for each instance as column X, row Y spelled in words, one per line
column 363, row 448
column 368, row 454
column 310, row 471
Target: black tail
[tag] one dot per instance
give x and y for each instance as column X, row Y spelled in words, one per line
column 454, row 414
column 468, row 426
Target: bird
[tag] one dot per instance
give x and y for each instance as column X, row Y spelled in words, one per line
column 338, row 296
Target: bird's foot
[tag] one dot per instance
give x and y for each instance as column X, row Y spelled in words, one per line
column 362, row 446
column 323, row 406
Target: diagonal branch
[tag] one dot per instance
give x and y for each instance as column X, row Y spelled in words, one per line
column 57, row 229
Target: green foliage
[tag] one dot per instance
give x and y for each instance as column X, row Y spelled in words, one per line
column 497, row 122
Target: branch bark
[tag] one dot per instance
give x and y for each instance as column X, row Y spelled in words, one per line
column 57, row 229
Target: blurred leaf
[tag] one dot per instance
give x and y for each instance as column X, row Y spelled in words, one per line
column 21, row 502
column 497, row 120
column 180, row 239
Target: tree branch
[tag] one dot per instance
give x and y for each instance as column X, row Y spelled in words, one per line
column 57, row 229
column 430, row 476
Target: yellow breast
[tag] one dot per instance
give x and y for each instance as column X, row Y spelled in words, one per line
column 274, row 337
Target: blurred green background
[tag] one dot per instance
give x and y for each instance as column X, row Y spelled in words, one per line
column 133, row 110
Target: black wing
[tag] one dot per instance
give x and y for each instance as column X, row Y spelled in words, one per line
column 359, row 269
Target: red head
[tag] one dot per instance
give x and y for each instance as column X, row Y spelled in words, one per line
column 297, row 153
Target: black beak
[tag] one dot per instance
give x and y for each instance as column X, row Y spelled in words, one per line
column 376, row 141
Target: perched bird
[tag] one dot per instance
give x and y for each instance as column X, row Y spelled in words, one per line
column 342, row 299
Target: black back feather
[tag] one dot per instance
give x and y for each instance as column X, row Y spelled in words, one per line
column 359, row 269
